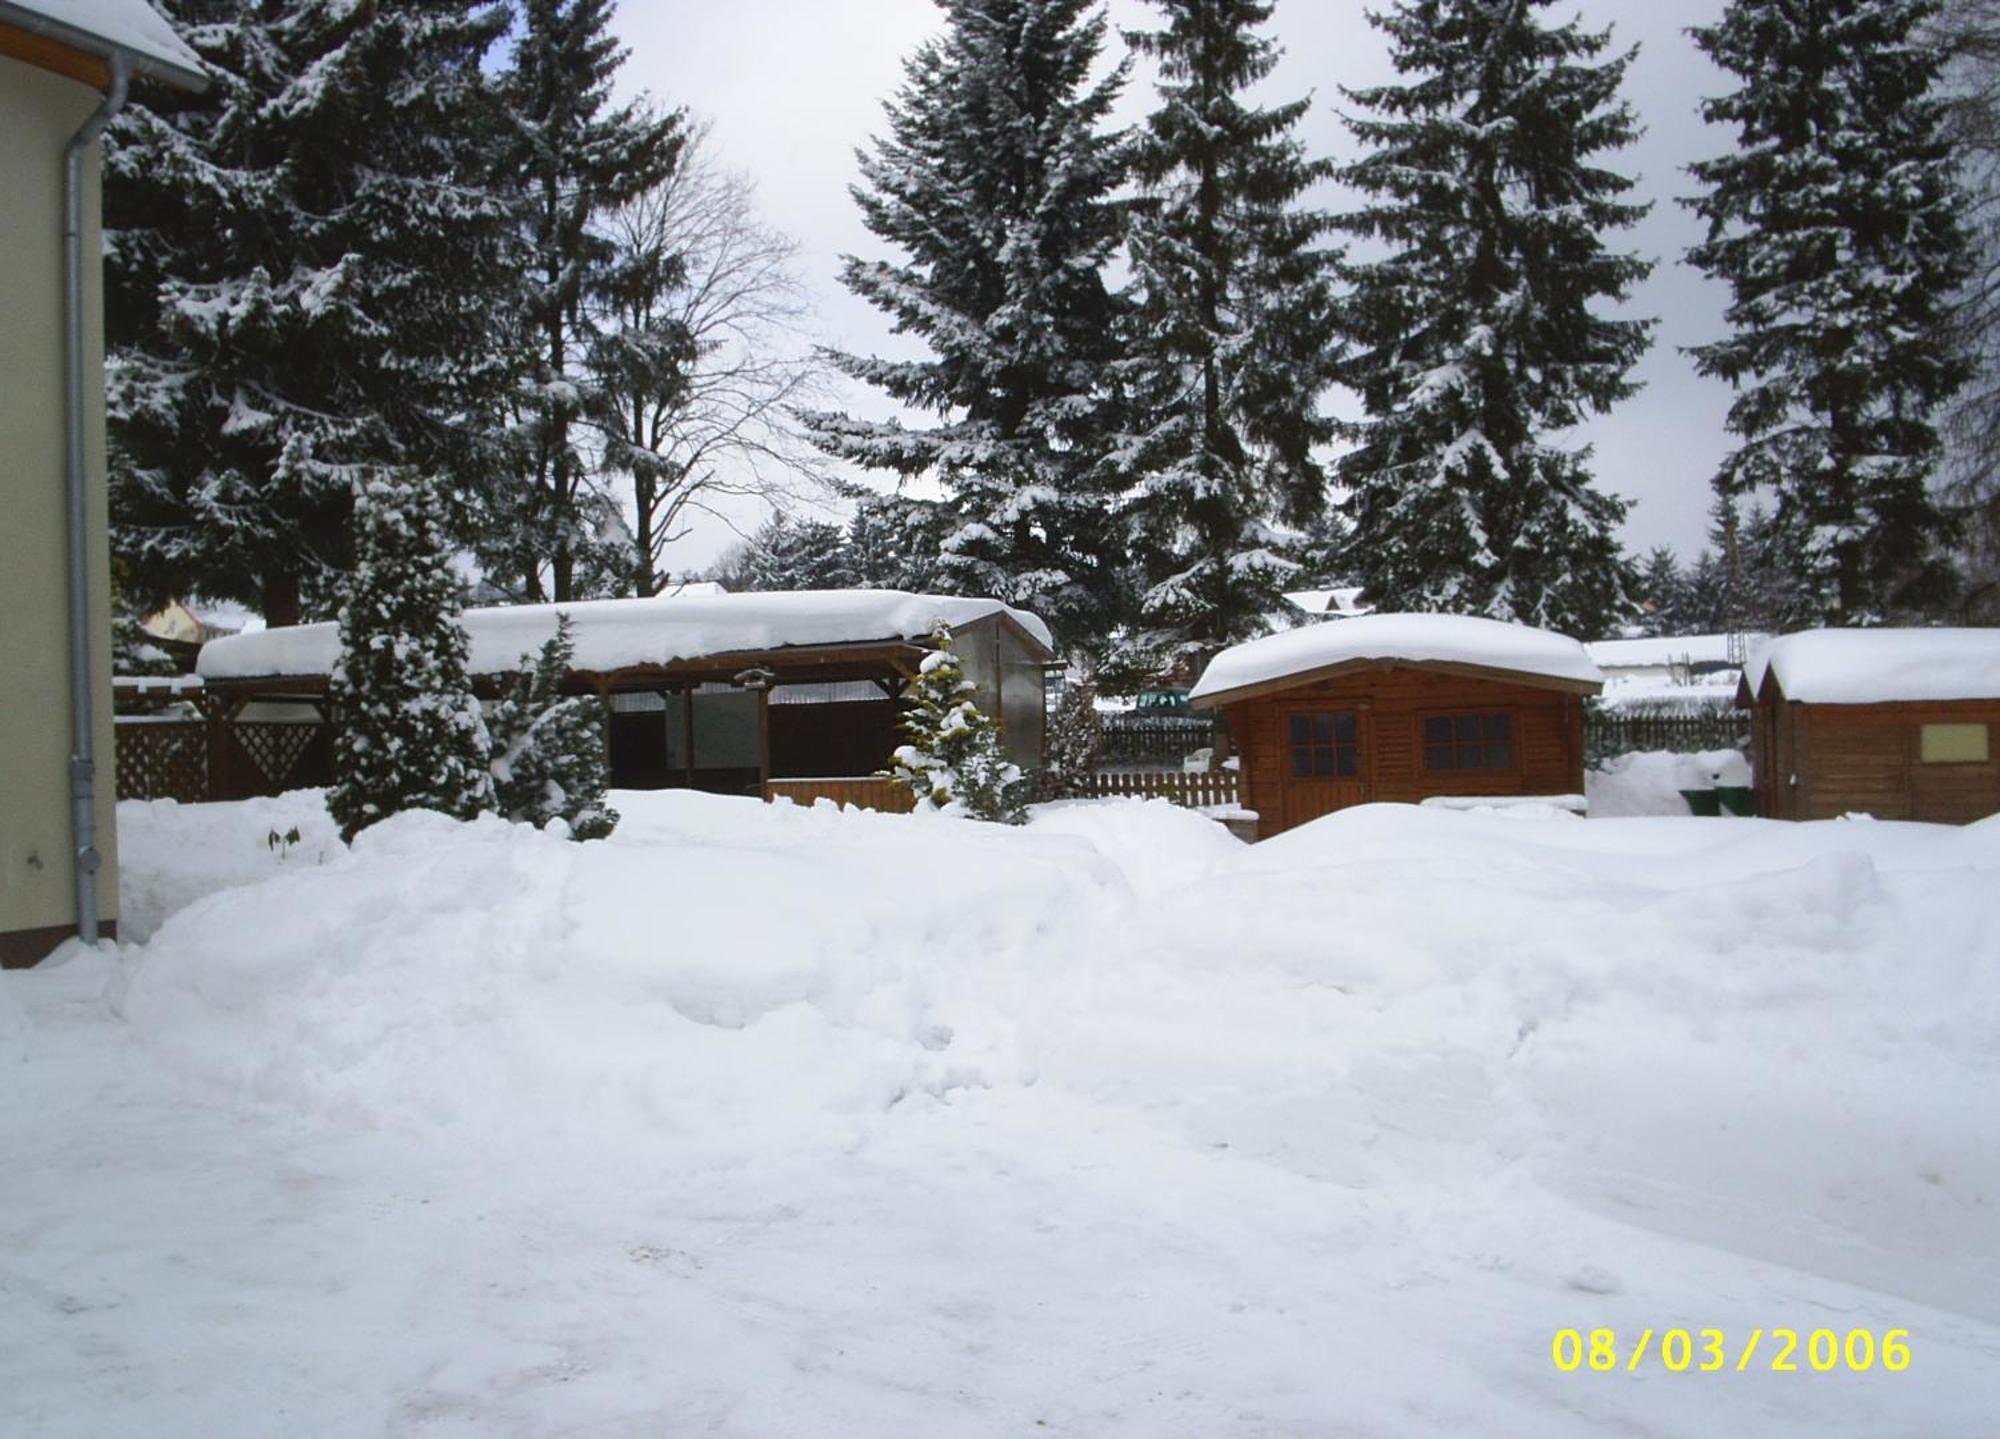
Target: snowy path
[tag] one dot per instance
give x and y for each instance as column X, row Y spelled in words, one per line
column 764, row 1123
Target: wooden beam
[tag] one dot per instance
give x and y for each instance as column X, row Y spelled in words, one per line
column 55, row 57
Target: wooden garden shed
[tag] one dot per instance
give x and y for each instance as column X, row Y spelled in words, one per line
column 1896, row 723
column 793, row 695
column 1400, row 708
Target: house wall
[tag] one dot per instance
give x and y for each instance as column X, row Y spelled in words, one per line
column 1392, row 702
column 1867, row 759
column 38, row 113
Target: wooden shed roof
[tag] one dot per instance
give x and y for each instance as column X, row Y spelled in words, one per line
column 1875, row 666
column 1453, row 644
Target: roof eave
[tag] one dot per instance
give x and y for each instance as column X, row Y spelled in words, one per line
column 97, row 48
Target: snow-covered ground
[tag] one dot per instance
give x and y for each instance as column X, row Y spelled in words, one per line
column 768, row 1122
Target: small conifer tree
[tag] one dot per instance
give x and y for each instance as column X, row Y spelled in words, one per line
column 410, row 735
column 954, row 762
column 548, row 747
column 1076, row 736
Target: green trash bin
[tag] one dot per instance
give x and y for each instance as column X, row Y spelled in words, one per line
column 1703, row 802
column 1736, row 799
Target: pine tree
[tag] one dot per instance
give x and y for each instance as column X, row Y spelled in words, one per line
column 1075, row 740
column 788, row 552
column 548, row 748
column 1835, row 223
column 896, row 543
column 1230, row 343
column 409, row 733
column 995, row 181
column 1661, row 592
column 574, row 159
column 954, row 762
column 1480, row 337
column 301, row 272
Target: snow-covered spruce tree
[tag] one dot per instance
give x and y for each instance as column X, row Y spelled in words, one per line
column 1230, row 343
column 1836, row 224
column 790, row 552
column 408, row 729
column 1480, row 336
column 995, row 181
column 548, row 748
column 896, row 542
column 954, row 762
column 1075, row 739
column 301, row 272
column 574, row 159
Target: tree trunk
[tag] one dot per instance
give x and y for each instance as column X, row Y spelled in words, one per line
column 281, row 600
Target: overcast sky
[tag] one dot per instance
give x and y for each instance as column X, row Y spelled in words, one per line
column 794, row 86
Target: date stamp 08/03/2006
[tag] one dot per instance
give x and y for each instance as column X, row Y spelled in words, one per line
column 1712, row 1351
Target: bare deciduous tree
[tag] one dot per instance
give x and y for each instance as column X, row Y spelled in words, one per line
column 707, row 358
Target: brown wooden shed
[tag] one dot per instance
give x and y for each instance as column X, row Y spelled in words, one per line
column 1400, row 708
column 1895, row 723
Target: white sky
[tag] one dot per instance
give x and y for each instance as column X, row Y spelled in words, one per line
column 794, row 86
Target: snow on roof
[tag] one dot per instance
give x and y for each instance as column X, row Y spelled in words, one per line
column 1856, row 667
column 615, row 634
column 1452, row 639
column 98, row 27
column 1664, row 650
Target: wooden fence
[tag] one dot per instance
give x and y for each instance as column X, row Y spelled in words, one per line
column 196, row 760
column 162, row 759
column 1614, row 732
column 1190, row 791
column 1154, row 739
column 865, row 792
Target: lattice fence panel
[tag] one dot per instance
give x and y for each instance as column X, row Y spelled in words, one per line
column 276, row 752
column 162, row 759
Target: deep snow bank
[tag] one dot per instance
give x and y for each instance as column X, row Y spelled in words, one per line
column 765, row 1120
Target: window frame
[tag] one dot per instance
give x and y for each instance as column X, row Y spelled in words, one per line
column 1926, row 725
column 1510, row 713
column 1294, row 712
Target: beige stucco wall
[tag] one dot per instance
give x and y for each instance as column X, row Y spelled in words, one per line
column 38, row 113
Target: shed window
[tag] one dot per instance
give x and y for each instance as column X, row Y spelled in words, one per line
column 1325, row 746
column 1955, row 744
column 1476, row 741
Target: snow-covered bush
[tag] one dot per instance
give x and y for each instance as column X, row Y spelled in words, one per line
column 548, row 747
column 954, row 761
column 1076, row 737
column 409, row 734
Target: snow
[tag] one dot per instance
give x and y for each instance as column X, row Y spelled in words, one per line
column 613, row 634
column 132, row 26
column 1650, row 782
column 765, row 1120
column 1880, row 666
column 1342, row 603
column 1459, row 639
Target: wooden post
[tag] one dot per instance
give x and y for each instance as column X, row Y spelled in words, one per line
column 687, row 734
column 764, row 742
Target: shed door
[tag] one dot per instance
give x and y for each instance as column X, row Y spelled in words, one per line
column 1325, row 764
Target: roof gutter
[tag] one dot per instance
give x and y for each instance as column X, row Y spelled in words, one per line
column 83, row 751
column 88, row 42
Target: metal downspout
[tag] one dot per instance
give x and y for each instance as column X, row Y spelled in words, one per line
column 83, row 749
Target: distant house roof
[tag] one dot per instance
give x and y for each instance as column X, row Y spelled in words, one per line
column 1458, row 642
column 631, row 633
column 1884, row 666
column 1661, row 651
column 101, row 28
column 1344, row 602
